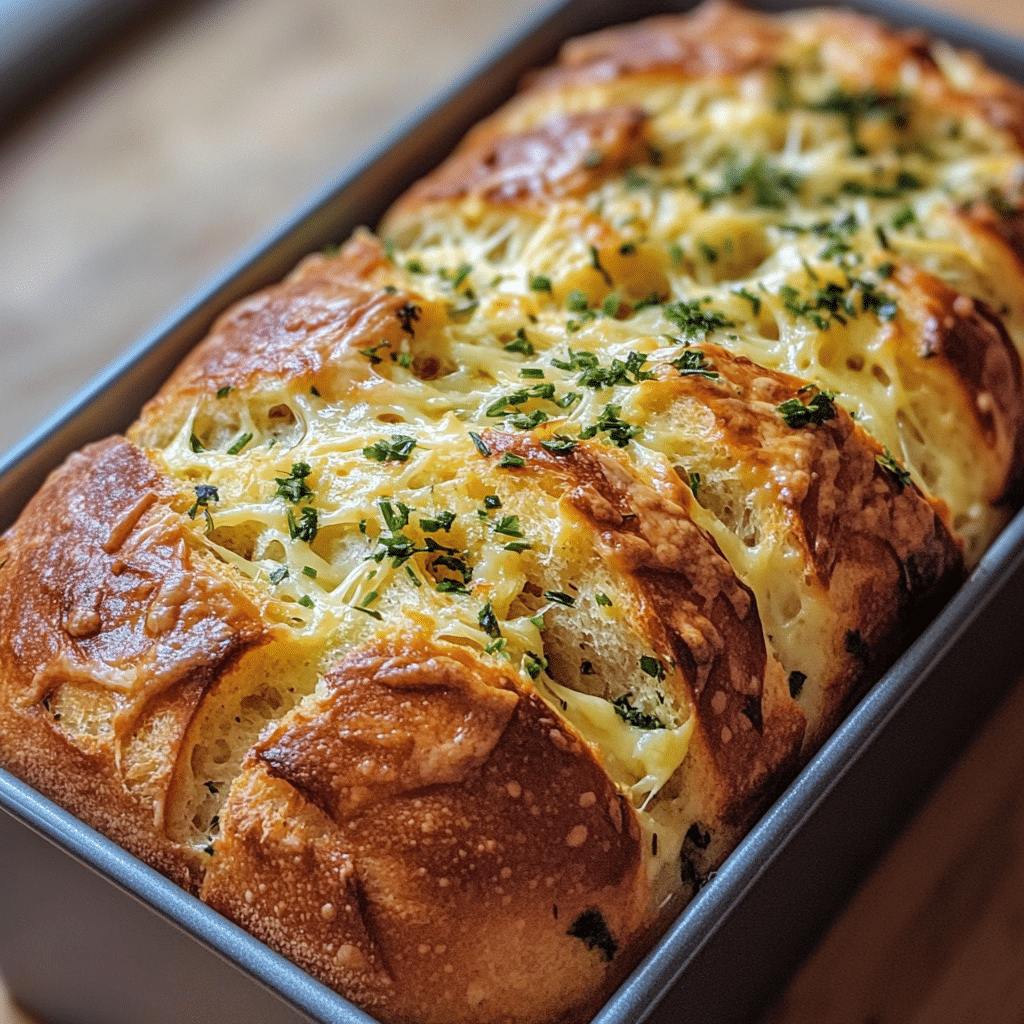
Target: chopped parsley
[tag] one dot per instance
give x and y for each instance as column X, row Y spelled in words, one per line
column 439, row 521
column 280, row 573
column 520, row 343
column 603, row 599
column 891, row 466
column 224, row 391
column 488, row 621
column 492, row 501
column 509, row 526
column 903, row 218
column 395, row 520
column 510, row 461
column 595, row 262
column 560, row 598
column 634, row 716
column 693, row 480
column 692, row 320
column 540, row 283
column 534, row 664
column 305, row 527
column 854, row 107
column 205, row 493
column 294, row 486
column 397, row 449
column 308, row 570
column 609, row 422
column 652, row 667
column 819, row 408
column 754, row 300
column 306, row 601
column 481, row 446
column 691, row 363
column 559, row 445
column 621, row 372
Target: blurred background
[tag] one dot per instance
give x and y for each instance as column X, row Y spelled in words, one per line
column 190, row 130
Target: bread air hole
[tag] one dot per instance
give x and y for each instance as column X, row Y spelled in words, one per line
column 265, row 685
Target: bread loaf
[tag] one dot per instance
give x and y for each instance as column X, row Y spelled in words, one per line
column 460, row 601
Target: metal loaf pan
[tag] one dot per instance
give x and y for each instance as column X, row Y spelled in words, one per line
column 89, row 935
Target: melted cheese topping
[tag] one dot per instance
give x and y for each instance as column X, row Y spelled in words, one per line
column 766, row 220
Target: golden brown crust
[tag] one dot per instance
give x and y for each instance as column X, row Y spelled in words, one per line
column 966, row 336
column 113, row 629
column 568, row 155
column 694, row 610
column 309, row 330
column 503, row 831
column 717, row 39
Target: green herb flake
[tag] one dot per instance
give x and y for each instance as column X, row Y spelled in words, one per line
column 558, row 597
column 559, row 445
column 577, row 301
column 510, row 461
column 305, row 527
column 306, row 601
column 518, row 546
column 693, row 480
column 692, row 363
column 481, row 446
column 308, row 570
column 395, row 520
column 619, row 432
column 439, row 521
column 652, row 667
column 488, row 621
column 225, row 390
column 520, row 343
column 903, row 218
column 240, row 444
column 634, row 716
column 205, row 493
column 397, row 449
column 540, row 283
column 372, row 612
column 891, row 466
column 754, row 300
column 509, row 526
column 819, row 408
column 279, row 574
column 692, row 320
column 294, row 487
column 534, row 663
column 603, row 599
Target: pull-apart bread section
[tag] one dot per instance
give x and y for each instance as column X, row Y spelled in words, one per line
column 460, row 601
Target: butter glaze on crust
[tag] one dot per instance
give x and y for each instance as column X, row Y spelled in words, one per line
column 459, row 602
column 486, row 800
column 105, row 654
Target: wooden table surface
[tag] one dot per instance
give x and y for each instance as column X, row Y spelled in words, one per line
column 127, row 188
